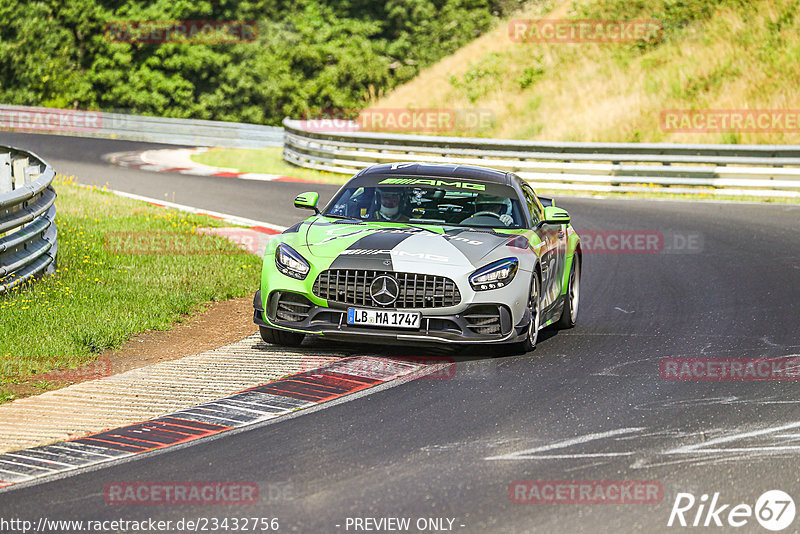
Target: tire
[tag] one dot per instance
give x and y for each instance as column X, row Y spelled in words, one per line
column 281, row 337
column 534, row 305
column 569, row 314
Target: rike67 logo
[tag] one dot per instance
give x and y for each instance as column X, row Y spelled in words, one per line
column 774, row 510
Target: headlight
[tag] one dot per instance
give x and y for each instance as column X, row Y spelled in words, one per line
column 290, row 263
column 494, row 275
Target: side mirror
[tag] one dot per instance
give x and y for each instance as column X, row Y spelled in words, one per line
column 554, row 215
column 308, row 201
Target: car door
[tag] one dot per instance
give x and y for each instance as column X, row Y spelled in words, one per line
column 553, row 253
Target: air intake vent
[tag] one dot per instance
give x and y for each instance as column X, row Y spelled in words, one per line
column 292, row 307
column 484, row 320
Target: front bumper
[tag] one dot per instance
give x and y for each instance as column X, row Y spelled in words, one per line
column 479, row 323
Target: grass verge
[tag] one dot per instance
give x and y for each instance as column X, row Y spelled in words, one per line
column 124, row 267
column 266, row 161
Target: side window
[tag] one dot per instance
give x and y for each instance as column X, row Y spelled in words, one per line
column 533, row 205
column 350, row 201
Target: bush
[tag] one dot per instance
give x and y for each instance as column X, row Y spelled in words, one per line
column 309, row 54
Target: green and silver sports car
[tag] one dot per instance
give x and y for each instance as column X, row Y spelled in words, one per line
column 423, row 253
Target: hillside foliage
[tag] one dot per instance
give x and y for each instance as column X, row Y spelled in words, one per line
column 737, row 55
column 309, row 55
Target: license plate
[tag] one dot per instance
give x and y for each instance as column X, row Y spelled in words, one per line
column 389, row 319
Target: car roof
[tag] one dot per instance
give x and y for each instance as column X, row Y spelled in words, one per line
column 445, row 170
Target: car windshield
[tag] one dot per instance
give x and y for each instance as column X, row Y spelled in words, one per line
column 429, row 201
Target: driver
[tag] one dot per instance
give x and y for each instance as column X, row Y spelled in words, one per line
column 500, row 206
column 389, row 200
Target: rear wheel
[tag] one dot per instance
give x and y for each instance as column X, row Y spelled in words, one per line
column 536, row 317
column 569, row 313
column 281, row 337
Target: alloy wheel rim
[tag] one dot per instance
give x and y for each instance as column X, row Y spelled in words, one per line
column 533, row 329
column 574, row 294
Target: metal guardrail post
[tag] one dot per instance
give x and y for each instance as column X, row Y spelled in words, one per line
column 28, row 234
column 6, row 183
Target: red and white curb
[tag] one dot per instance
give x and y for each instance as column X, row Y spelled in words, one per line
column 249, row 407
column 180, row 160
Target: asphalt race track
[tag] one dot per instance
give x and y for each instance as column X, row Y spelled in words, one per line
column 263, row 201
column 587, row 404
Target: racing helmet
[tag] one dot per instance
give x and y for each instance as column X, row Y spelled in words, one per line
column 388, row 201
column 495, row 204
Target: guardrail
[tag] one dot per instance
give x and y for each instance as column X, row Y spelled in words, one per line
column 28, row 244
column 758, row 170
column 138, row 127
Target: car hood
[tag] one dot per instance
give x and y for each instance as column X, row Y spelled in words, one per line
column 404, row 248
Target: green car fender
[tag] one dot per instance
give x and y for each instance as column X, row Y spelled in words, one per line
column 271, row 277
column 573, row 245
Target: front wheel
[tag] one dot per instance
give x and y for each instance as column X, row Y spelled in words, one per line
column 533, row 327
column 569, row 314
column 281, row 337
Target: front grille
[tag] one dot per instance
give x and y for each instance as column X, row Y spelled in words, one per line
column 351, row 286
column 483, row 320
column 292, row 307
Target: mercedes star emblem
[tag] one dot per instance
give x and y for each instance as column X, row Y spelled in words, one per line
column 384, row 290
